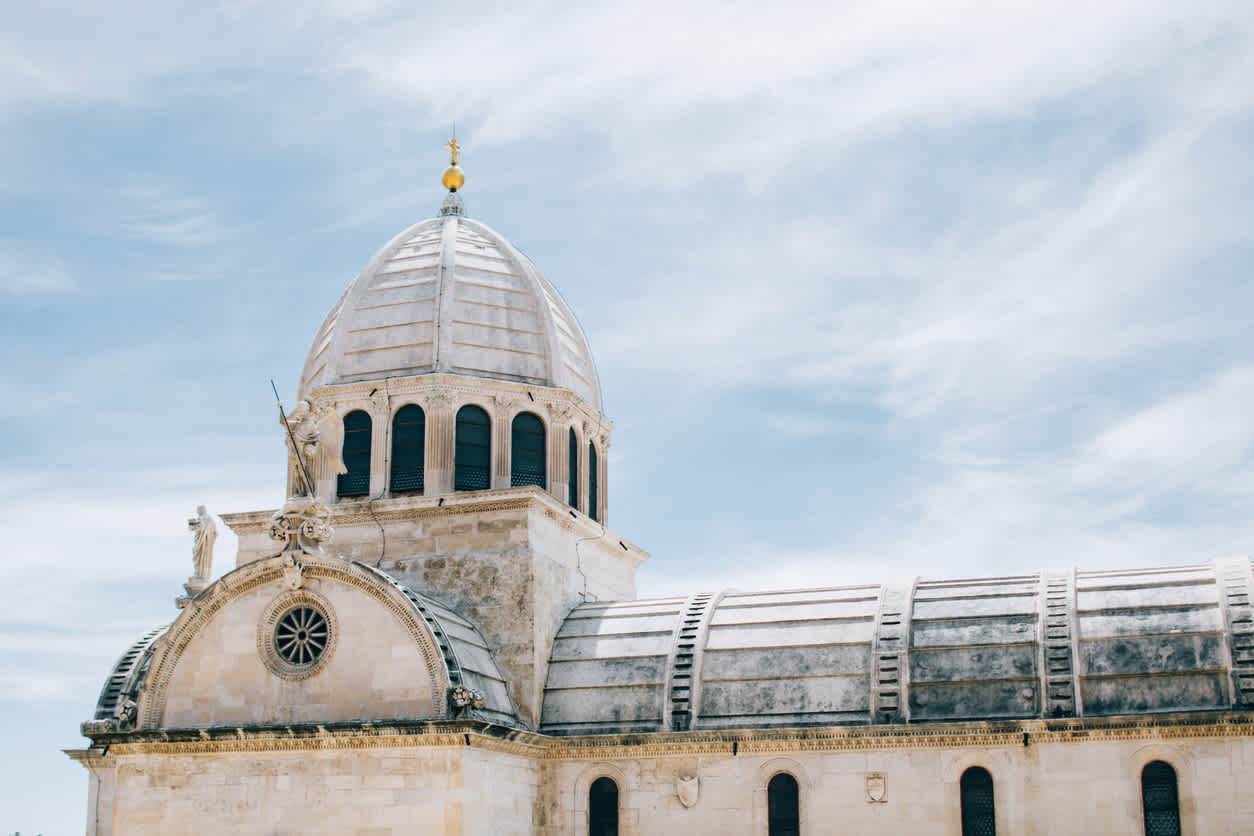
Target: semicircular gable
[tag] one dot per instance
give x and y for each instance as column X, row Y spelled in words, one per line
column 382, row 662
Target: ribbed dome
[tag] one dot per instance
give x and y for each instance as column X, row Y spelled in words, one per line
column 451, row 295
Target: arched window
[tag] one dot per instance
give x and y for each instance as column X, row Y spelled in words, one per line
column 527, row 463
column 783, row 807
column 592, row 481
column 978, row 817
column 409, row 439
column 572, row 472
column 356, row 482
column 472, row 467
column 1160, row 800
column 603, row 808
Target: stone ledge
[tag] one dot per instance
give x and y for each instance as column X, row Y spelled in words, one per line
column 488, row 736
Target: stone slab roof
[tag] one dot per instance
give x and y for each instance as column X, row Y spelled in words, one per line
column 1049, row 644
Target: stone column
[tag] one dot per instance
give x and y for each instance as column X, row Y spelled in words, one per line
column 557, row 458
column 380, row 441
column 581, row 467
column 603, row 480
column 440, row 446
column 501, row 427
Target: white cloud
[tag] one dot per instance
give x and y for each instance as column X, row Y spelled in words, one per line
column 1202, row 439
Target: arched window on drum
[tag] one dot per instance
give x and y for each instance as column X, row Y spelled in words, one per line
column 603, row 808
column 527, row 451
column 409, row 442
column 783, row 806
column 472, row 463
column 978, row 813
column 356, row 482
column 1160, row 799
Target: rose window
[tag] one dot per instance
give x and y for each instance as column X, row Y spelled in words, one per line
column 301, row 636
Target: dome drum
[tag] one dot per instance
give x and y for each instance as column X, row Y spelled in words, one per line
column 441, row 397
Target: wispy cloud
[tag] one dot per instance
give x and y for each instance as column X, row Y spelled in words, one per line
column 22, row 273
column 158, row 214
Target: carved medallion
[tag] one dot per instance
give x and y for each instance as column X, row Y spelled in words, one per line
column 876, row 788
column 687, row 788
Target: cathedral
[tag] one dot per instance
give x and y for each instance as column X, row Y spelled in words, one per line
column 438, row 633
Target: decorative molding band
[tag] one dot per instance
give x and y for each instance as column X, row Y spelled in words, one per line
column 455, row 387
column 414, row 508
column 475, row 734
column 1235, row 585
column 1059, row 682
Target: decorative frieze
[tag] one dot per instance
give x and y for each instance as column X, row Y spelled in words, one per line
column 476, row 734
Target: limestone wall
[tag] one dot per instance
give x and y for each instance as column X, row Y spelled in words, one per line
column 1047, row 790
column 501, row 794
column 376, row 792
column 446, row 782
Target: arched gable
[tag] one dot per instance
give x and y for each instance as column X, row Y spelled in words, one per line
column 217, row 663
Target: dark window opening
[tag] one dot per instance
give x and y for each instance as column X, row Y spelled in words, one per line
column 527, row 462
column 603, row 808
column 472, row 468
column 978, row 814
column 783, row 808
column 572, row 472
column 1160, row 799
column 356, row 482
column 592, row 481
column 409, row 440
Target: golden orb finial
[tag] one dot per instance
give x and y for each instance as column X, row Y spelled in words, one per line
column 454, row 178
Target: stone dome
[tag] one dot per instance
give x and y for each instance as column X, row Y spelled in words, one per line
column 451, row 295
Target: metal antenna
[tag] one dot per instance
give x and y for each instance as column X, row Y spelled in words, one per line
column 295, row 447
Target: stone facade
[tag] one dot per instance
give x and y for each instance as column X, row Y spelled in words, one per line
column 1063, row 778
column 448, row 661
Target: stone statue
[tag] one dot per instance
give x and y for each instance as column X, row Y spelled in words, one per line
column 319, row 440
column 206, row 532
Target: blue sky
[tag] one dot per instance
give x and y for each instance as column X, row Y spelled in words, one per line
column 875, row 290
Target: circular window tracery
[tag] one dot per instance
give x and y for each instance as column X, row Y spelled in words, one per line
column 297, row 634
column 301, row 636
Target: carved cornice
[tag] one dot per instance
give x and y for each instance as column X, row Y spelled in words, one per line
column 455, row 388
column 412, row 508
column 402, row 734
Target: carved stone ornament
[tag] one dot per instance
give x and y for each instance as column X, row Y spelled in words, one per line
column 301, row 527
column 438, row 399
column 92, row 728
column 126, row 713
column 876, row 788
column 687, row 788
column 460, row 698
column 293, row 570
